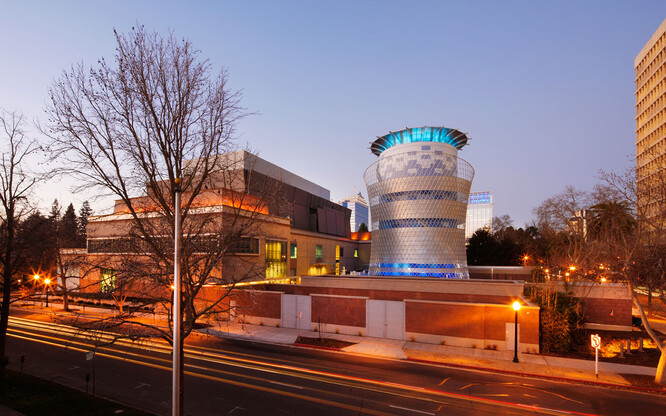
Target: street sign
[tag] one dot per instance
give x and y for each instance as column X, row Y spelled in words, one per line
column 596, row 341
column 90, row 355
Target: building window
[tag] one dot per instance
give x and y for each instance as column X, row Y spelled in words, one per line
column 342, row 251
column 276, row 259
column 107, row 280
column 293, row 251
column 355, row 253
column 319, row 253
column 245, row 245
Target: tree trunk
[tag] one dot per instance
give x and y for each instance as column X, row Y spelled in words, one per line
column 660, row 377
column 65, row 298
column 4, row 317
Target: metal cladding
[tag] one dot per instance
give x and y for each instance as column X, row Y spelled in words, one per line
column 418, row 191
column 453, row 137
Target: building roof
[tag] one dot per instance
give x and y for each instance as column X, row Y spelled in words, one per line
column 442, row 134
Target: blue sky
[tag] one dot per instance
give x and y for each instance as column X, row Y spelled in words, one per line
column 544, row 89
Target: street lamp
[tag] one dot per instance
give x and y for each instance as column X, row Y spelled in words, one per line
column 516, row 307
column 46, row 289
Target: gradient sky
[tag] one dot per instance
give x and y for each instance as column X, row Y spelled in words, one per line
column 544, row 89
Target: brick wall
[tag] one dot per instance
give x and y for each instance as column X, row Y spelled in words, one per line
column 349, row 311
column 478, row 321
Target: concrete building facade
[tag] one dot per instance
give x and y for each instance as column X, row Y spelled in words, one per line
column 650, row 66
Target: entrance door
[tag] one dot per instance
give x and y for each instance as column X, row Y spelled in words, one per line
column 296, row 311
column 386, row 319
column 510, row 336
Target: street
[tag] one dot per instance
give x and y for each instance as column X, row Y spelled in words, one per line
column 246, row 379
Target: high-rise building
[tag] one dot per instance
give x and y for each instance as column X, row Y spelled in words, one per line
column 479, row 212
column 359, row 211
column 650, row 65
column 418, row 191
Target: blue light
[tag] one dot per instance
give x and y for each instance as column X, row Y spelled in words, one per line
column 420, row 134
column 418, row 223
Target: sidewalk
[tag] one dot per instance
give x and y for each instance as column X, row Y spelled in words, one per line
column 529, row 364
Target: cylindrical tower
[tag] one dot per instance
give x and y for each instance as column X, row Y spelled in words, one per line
column 418, row 190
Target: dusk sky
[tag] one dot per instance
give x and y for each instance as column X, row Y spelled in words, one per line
column 544, row 89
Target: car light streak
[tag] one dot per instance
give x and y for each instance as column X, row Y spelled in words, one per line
column 412, row 410
column 281, row 369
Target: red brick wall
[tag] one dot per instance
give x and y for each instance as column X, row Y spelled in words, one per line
column 389, row 295
column 470, row 321
column 598, row 311
column 260, row 304
column 339, row 311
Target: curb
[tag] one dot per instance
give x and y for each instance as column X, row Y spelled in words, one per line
column 316, row 347
column 543, row 376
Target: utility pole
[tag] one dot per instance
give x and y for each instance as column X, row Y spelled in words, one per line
column 177, row 313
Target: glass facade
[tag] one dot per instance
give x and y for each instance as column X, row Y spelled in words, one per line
column 479, row 213
column 359, row 211
column 418, row 193
column 276, row 259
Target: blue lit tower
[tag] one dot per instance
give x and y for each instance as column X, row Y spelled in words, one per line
column 418, row 190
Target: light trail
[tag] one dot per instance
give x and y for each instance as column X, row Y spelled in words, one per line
column 201, row 354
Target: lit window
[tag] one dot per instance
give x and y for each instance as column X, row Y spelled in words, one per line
column 293, row 251
column 107, row 280
column 319, row 252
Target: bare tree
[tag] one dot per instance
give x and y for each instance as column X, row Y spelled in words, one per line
column 15, row 186
column 155, row 115
column 639, row 247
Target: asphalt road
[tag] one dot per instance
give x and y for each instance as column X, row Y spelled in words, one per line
column 226, row 378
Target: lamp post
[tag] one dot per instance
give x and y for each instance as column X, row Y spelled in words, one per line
column 47, row 281
column 177, row 320
column 516, row 308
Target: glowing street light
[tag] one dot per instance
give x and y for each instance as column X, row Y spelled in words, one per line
column 516, row 308
column 47, row 281
column 572, row 268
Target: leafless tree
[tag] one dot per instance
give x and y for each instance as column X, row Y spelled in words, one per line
column 641, row 251
column 135, row 126
column 16, row 183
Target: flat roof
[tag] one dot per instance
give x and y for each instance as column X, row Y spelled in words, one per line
column 442, row 134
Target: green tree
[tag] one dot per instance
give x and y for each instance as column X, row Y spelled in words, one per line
column 362, row 228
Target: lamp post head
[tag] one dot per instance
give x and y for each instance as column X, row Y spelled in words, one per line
column 516, row 306
column 47, row 281
column 36, row 277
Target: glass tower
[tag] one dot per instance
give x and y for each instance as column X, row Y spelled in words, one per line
column 418, row 190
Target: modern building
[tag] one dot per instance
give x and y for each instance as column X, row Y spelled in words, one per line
column 298, row 231
column 418, row 190
column 479, row 213
column 359, row 211
column 650, row 66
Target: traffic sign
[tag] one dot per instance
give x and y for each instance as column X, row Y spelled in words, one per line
column 596, row 341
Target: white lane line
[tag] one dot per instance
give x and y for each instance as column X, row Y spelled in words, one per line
column 412, row 410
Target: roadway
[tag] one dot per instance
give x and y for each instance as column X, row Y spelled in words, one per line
column 233, row 378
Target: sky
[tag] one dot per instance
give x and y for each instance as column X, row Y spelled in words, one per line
column 545, row 90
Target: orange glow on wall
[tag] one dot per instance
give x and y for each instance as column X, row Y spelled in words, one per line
column 206, row 198
column 367, row 236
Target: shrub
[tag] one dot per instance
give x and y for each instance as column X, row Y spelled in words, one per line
column 560, row 321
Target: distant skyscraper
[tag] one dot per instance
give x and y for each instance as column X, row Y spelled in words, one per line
column 479, row 212
column 650, row 65
column 359, row 211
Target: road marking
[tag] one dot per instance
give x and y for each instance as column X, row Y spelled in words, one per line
column 469, row 385
column 73, row 368
column 494, row 395
column 142, row 385
column 287, row 385
column 234, row 409
column 529, row 395
column 412, row 410
column 444, row 381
